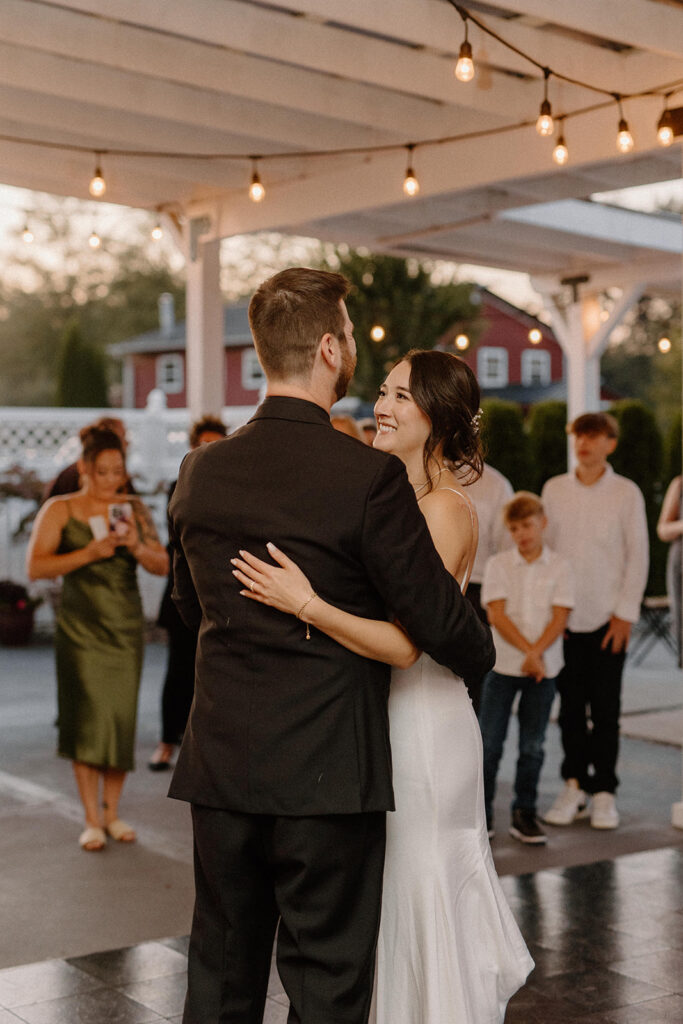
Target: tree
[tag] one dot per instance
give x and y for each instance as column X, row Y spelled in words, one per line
column 81, row 376
column 547, row 441
column 639, row 456
column 506, row 445
column 398, row 296
column 635, row 368
column 673, row 450
column 112, row 291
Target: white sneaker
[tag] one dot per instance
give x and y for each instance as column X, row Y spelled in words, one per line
column 570, row 804
column 604, row 812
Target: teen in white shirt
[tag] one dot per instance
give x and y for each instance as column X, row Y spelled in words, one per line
column 596, row 518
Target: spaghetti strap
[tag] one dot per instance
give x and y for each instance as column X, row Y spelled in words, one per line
column 473, row 546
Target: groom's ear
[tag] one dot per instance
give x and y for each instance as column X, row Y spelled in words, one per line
column 329, row 350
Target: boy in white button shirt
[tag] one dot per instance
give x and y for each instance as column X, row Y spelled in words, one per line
column 528, row 592
column 597, row 520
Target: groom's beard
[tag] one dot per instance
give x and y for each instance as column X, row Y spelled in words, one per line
column 346, row 372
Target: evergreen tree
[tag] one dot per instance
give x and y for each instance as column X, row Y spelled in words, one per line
column 548, row 441
column 81, row 372
column 673, row 450
column 506, row 445
column 397, row 295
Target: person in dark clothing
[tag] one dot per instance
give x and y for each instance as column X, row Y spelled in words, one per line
column 178, row 689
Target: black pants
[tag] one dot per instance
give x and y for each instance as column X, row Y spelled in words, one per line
column 322, row 876
column 178, row 691
column 475, row 683
column 590, row 692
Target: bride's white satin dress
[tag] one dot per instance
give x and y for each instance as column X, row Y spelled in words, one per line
column 449, row 949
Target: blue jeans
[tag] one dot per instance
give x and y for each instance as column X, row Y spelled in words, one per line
column 535, row 701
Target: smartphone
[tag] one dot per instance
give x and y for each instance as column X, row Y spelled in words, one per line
column 120, row 518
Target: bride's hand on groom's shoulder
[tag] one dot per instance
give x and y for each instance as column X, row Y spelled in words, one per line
column 283, row 585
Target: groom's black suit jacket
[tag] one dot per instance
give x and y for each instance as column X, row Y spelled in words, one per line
column 280, row 724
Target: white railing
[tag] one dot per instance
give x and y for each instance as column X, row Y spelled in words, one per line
column 46, row 440
column 43, row 441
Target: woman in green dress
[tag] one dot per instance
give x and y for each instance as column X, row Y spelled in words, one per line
column 95, row 539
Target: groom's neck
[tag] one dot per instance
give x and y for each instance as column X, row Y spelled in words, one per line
column 309, row 393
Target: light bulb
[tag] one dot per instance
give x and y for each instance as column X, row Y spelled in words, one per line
column 664, row 345
column 377, row 333
column 411, row 186
column 665, row 129
column 157, row 232
column 94, row 241
column 27, row 234
column 98, row 185
column 256, row 190
column 624, row 137
column 462, row 342
column 544, row 125
column 535, row 336
column 560, row 152
column 464, row 69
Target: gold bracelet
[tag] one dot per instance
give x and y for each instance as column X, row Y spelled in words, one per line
column 308, row 601
column 298, row 614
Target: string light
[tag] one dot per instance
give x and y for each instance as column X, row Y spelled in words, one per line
column 560, row 152
column 544, row 125
column 157, row 232
column 624, row 137
column 462, row 342
column 94, row 241
column 535, row 336
column 27, row 235
column 464, row 69
column 411, row 186
column 664, row 345
column 665, row 125
column 377, row 333
column 98, row 185
column 256, row 190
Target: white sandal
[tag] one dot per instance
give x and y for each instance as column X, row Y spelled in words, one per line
column 92, row 839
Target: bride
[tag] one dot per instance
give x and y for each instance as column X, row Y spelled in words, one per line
column 449, row 950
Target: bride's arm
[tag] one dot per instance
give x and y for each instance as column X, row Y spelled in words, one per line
column 285, row 587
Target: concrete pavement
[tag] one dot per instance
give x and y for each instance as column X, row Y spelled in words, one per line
column 56, row 901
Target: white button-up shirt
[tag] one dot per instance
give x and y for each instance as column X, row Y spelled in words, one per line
column 530, row 590
column 602, row 530
column 489, row 494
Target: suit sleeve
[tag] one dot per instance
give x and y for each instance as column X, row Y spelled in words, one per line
column 184, row 594
column 408, row 572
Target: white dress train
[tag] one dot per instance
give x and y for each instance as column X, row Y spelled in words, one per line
column 449, row 949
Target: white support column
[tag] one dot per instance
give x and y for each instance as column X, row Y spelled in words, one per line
column 205, row 356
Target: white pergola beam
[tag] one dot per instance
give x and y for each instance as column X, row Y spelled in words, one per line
column 436, row 25
column 638, row 23
column 126, row 48
column 126, row 92
column 603, row 224
column 329, row 50
column 598, row 342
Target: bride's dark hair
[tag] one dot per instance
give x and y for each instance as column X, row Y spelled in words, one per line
column 447, row 392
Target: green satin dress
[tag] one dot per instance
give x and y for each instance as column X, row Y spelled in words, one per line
column 98, row 644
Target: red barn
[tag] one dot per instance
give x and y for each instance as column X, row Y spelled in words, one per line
column 516, row 356
column 156, row 359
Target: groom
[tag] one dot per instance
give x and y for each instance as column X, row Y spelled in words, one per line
column 286, row 757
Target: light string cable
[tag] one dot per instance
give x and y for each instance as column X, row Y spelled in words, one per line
column 664, row 91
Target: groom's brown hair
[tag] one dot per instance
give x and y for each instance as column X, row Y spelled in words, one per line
column 288, row 315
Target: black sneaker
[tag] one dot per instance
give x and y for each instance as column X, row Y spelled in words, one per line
column 525, row 827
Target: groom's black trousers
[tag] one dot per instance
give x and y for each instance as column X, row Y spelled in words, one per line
column 322, row 877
